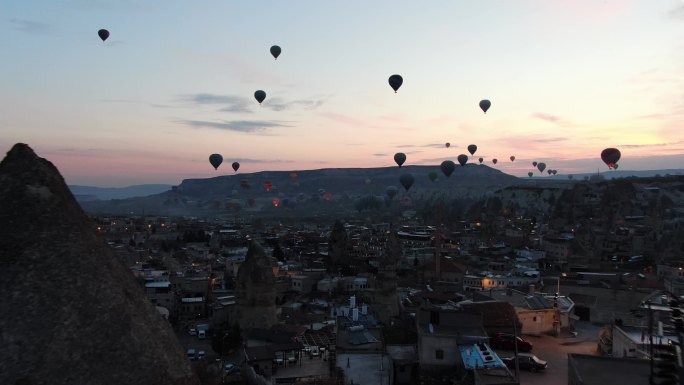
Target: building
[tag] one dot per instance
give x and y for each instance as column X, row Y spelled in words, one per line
column 597, row 370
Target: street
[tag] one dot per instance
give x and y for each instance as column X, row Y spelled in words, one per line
column 554, row 350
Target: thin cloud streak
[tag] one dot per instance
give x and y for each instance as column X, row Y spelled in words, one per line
column 557, row 120
column 245, row 126
column 232, row 103
column 30, row 26
column 650, row 145
column 278, row 104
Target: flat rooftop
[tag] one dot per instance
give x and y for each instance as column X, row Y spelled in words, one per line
column 479, row 356
column 597, row 370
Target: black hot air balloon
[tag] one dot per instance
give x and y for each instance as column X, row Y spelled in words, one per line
column 103, row 34
column 494, row 160
column 395, row 81
column 400, row 158
column 275, row 51
column 610, row 157
column 472, row 148
column 485, row 104
column 260, row 96
column 448, row 167
column 215, row 160
column 447, row 144
column 529, row 174
column 549, row 172
column 432, row 175
column 541, row 167
column 406, row 181
column 462, row 159
column 480, row 160
column 236, row 166
column 534, row 164
column 512, row 158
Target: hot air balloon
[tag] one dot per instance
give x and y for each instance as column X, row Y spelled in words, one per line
column 448, row 167
column 610, row 157
column 494, row 160
column 554, row 172
column 432, row 175
column 480, row 160
column 327, row 196
column 512, row 158
column 400, row 158
column 485, row 104
column 549, row 172
column 275, row 51
column 447, row 144
column 236, row 166
column 276, row 202
column 268, row 185
column 462, row 159
column 391, row 191
column 260, row 96
column 541, row 167
column 615, row 167
column 294, row 176
column 472, row 148
column 215, row 160
column 534, row 164
column 529, row 174
column 395, row 81
column 406, row 181
column 103, row 34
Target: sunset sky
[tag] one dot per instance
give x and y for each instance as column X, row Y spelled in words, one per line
column 175, row 82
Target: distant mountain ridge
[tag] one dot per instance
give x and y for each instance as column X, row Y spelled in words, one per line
column 206, row 196
column 614, row 174
column 106, row 193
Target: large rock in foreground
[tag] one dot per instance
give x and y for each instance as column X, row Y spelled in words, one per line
column 70, row 312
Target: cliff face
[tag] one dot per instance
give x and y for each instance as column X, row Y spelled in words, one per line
column 71, row 312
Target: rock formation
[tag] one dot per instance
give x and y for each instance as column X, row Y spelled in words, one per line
column 71, row 313
column 256, row 290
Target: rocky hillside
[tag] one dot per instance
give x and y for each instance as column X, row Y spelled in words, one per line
column 71, row 312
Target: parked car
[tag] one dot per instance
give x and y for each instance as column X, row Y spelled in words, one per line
column 202, row 334
column 200, row 354
column 230, row 368
column 191, row 354
column 527, row 361
column 508, row 341
column 192, row 332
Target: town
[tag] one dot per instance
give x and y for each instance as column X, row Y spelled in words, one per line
column 589, row 288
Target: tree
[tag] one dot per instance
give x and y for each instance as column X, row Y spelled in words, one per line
column 278, row 253
column 226, row 339
column 338, row 243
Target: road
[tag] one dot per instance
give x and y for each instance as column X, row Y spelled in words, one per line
column 555, row 351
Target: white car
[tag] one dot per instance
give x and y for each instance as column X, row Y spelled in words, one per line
column 200, row 354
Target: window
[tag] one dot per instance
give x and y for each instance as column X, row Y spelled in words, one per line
column 439, row 354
